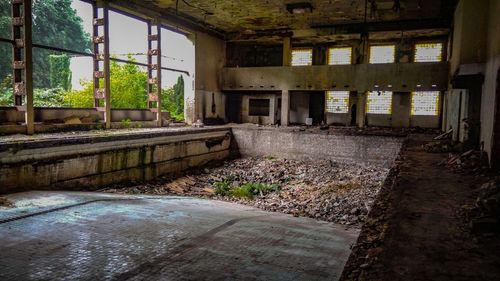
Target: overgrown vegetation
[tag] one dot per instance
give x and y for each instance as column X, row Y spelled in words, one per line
column 52, row 74
column 56, row 24
column 247, row 190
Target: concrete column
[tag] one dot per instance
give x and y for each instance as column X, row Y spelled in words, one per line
column 285, row 108
column 287, row 51
column 272, row 110
column 361, row 110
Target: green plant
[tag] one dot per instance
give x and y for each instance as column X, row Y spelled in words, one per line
column 126, row 123
column 55, row 23
column 244, row 191
column 270, row 157
column 222, row 187
column 249, row 190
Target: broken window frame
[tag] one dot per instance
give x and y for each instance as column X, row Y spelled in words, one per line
column 429, row 58
column 378, row 60
column 337, row 102
column 302, row 49
column 343, row 61
column 427, row 105
column 379, row 102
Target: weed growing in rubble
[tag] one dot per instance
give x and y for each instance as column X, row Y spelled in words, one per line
column 222, row 187
column 249, row 190
column 126, row 123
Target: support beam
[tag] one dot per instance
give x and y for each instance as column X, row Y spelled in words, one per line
column 22, row 61
column 154, row 69
column 287, row 51
column 101, row 43
column 285, row 108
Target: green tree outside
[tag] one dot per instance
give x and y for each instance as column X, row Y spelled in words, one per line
column 60, row 73
column 56, row 24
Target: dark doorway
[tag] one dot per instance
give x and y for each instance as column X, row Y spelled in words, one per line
column 317, row 107
column 353, row 114
column 233, row 108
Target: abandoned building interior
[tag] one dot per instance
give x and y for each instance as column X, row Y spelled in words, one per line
column 313, row 140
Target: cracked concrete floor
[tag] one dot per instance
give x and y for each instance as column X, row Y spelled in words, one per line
column 82, row 236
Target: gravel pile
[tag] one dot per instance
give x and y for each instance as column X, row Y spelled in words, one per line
column 324, row 190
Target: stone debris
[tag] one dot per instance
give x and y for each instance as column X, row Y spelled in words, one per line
column 484, row 215
column 323, row 189
column 439, row 146
column 472, row 161
column 198, row 124
column 4, row 202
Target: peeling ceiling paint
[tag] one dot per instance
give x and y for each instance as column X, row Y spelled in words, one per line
column 251, row 15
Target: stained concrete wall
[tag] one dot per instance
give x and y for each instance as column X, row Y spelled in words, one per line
column 209, row 61
column 489, row 106
column 271, row 119
column 476, row 50
column 87, row 163
column 12, row 115
column 299, row 107
column 313, row 146
column 402, row 77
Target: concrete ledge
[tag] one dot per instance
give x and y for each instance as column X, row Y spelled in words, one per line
column 402, row 77
column 87, row 165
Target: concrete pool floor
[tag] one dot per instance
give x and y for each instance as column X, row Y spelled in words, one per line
column 83, row 235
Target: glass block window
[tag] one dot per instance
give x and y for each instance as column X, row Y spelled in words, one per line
column 302, row 56
column 337, row 101
column 425, row 103
column 382, row 54
column 379, row 103
column 429, row 52
column 338, row 56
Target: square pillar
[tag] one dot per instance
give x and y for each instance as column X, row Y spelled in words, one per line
column 285, row 108
column 361, row 110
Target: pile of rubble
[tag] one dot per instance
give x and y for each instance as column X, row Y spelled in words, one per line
column 484, row 215
column 324, row 190
column 440, row 144
column 472, row 161
column 4, row 202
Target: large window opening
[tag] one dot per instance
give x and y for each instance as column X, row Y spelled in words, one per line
column 429, row 52
column 379, row 103
column 339, row 56
column 301, row 56
column 425, row 103
column 382, row 54
column 259, row 107
column 337, row 101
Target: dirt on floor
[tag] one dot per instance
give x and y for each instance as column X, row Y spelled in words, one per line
column 324, row 190
column 4, row 202
column 420, row 226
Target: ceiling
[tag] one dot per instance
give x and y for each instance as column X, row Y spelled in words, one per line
column 241, row 16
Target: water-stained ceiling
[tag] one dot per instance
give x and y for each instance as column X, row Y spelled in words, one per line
column 254, row 15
